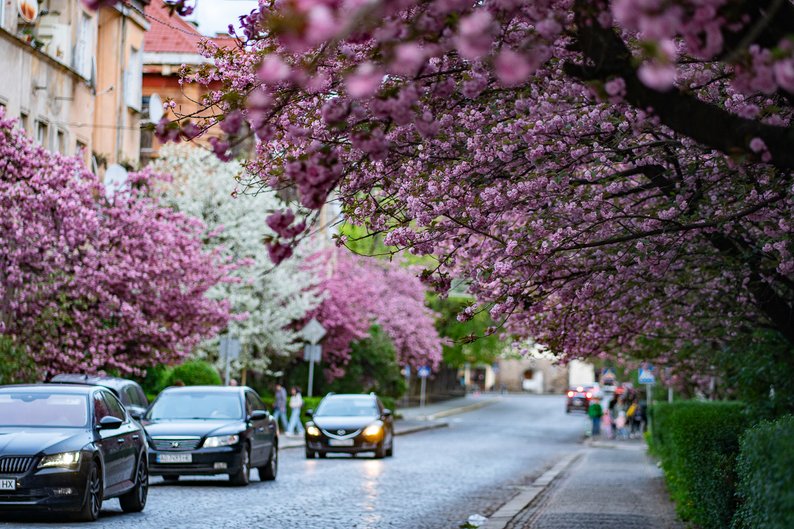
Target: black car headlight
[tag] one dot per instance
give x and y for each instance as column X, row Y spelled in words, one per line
column 62, row 460
column 373, row 432
column 312, row 431
column 220, row 440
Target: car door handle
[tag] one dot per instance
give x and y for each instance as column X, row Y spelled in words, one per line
column 136, row 437
column 120, row 440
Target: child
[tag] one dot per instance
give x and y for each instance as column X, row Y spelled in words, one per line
column 595, row 411
column 620, row 424
column 606, row 424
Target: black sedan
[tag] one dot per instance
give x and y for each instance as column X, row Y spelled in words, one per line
column 129, row 392
column 207, row 430
column 578, row 398
column 69, row 448
column 350, row 424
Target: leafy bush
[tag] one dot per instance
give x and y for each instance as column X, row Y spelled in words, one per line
column 156, row 380
column 372, row 367
column 766, row 480
column 16, row 365
column 698, row 443
column 194, row 373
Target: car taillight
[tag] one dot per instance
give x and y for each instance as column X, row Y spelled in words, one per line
column 588, row 394
column 570, row 393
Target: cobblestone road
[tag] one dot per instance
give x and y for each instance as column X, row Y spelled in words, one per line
column 435, row 480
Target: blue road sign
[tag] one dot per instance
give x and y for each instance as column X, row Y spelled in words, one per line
column 423, row 372
column 646, row 375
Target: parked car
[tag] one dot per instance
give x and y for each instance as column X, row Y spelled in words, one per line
column 129, row 392
column 578, row 399
column 350, row 424
column 208, row 430
column 69, row 448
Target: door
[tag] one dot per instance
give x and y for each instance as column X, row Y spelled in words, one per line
column 262, row 438
column 126, row 438
column 109, row 444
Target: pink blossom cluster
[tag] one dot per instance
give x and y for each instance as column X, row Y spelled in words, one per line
column 91, row 284
column 360, row 292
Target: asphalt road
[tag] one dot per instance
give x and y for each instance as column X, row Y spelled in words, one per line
column 436, row 479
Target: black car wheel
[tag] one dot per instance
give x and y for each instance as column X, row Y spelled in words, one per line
column 310, row 454
column 92, row 503
column 171, row 478
column 380, row 451
column 270, row 470
column 243, row 476
column 135, row 500
column 322, row 455
column 390, row 450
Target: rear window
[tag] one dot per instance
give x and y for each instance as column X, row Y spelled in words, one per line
column 348, row 407
column 37, row 409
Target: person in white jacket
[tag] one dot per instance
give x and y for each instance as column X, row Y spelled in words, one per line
column 295, row 426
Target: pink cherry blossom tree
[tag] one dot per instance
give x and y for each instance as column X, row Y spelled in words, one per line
column 605, row 174
column 361, row 292
column 90, row 284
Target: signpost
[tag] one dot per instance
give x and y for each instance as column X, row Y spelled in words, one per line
column 230, row 350
column 313, row 332
column 647, row 377
column 423, row 372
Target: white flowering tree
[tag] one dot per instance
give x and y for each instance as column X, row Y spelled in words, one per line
column 267, row 300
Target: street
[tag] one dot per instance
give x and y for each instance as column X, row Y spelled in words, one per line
column 436, row 479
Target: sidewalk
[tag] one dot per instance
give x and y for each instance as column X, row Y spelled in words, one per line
column 416, row 419
column 608, row 485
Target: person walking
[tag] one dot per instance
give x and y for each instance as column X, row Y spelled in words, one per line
column 280, row 407
column 595, row 411
column 295, row 426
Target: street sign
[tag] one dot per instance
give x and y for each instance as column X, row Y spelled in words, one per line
column 312, row 353
column 313, row 332
column 423, row 372
column 230, row 350
column 608, row 376
column 646, row 375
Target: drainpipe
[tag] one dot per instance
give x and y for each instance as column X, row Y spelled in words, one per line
column 122, row 93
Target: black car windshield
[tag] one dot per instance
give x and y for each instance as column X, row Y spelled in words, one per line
column 347, row 407
column 190, row 405
column 36, row 408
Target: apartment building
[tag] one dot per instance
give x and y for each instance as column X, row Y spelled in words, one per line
column 72, row 77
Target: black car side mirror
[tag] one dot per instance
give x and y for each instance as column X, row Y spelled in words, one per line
column 136, row 414
column 386, row 412
column 110, row 423
column 257, row 415
column 310, row 413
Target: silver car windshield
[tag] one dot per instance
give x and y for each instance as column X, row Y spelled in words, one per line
column 184, row 405
column 347, row 407
column 46, row 410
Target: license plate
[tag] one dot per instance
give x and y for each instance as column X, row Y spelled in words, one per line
column 174, row 458
column 340, row 442
column 8, row 484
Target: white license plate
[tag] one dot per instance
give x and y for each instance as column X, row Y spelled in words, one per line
column 8, row 484
column 340, row 442
column 174, row 458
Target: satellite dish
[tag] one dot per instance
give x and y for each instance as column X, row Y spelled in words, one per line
column 115, row 179
column 155, row 108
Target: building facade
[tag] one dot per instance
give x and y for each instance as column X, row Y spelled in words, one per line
column 70, row 76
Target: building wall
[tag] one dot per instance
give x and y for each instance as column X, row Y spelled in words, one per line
column 535, row 374
column 117, row 123
column 42, row 84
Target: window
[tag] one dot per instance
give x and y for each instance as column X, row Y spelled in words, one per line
column 133, row 80
column 252, row 403
column 83, row 56
column 134, row 396
column 23, row 121
column 114, row 406
column 43, row 133
column 100, row 408
column 80, row 147
column 60, row 141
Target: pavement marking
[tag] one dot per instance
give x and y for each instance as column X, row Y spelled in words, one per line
column 521, row 501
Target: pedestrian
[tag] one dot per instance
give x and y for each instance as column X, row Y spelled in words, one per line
column 280, row 406
column 631, row 417
column 620, row 424
column 606, row 424
column 295, row 426
column 595, row 411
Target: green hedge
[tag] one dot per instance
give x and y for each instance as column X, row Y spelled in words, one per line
column 766, row 476
column 698, row 443
column 194, row 373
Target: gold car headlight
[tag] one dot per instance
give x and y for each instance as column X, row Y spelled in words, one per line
column 64, row 459
column 312, row 431
column 373, row 431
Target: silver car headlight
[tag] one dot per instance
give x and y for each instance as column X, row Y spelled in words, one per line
column 220, row 440
column 64, row 459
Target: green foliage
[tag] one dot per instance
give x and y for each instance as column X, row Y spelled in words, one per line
column 470, row 343
column 156, row 380
column 194, row 373
column 372, row 367
column 698, row 443
column 16, row 366
column 766, row 480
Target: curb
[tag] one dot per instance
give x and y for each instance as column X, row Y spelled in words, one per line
column 406, row 431
column 523, row 499
column 456, row 411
